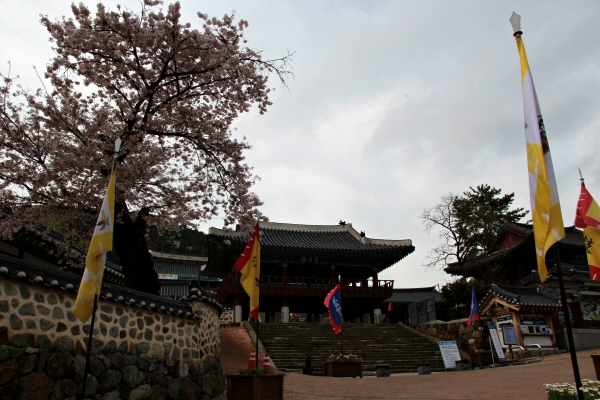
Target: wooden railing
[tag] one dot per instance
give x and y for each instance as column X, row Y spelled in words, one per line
column 309, row 286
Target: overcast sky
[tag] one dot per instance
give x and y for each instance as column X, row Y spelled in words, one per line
column 394, row 104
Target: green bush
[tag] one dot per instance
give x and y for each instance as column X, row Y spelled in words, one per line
column 567, row 391
column 254, row 371
column 346, row 357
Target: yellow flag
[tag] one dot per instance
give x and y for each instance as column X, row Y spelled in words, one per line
column 548, row 225
column 249, row 265
column 102, row 242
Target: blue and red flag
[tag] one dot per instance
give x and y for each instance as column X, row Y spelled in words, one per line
column 474, row 309
column 333, row 302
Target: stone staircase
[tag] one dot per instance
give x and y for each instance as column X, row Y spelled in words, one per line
column 396, row 345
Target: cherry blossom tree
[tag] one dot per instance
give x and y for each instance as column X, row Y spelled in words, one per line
column 169, row 92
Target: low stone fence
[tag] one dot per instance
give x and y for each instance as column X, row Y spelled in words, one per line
column 468, row 338
column 143, row 346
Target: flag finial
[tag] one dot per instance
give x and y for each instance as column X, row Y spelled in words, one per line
column 515, row 21
column 581, row 177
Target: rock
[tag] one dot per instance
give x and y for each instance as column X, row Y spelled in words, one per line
column 112, row 395
column 91, row 386
column 27, row 363
column 143, row 392
column 8, row 370
column 97, row 367
column 183, row 370
column 64, row 344
column 35, row 386
column 132, row 376
column 9, row 392
column 174, row 388
column 189, row 390
column 158, row 393
column 64, row 388
column 110, row 381
column 59, row 365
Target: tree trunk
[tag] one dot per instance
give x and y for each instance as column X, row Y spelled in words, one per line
column 131, row 247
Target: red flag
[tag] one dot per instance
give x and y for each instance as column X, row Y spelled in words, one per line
column 587, row 217
column 249, row 266
column 390, row 307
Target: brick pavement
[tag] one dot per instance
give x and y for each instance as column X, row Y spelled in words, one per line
column 513, row 382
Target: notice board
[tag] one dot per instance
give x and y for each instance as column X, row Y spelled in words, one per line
column 449, row 352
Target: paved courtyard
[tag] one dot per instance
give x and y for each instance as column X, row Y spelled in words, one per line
column 514, row 382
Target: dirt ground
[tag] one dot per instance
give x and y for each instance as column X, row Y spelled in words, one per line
column 513, row 382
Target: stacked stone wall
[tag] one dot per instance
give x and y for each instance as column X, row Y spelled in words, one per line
column 468, row 338
column 226, row 317
column 137, row 352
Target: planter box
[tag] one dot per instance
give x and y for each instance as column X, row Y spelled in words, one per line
column 255, row 387
column 481, row 359
column 343, row 368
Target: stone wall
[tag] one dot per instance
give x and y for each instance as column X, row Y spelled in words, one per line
column 144, row 346
column 226, row 317
column 468, row 338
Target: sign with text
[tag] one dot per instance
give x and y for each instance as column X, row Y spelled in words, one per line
column 504, row 317
column 532, row 319
column 450, row 354
column 508, row 334
column 496, row 341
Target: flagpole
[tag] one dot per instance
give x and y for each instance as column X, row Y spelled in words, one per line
column 257, row 284
column 342, row 331
column 565, row 307
column 89, row 348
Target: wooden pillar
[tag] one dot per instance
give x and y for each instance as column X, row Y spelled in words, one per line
column 285, row 310
column 284, row 273
column 375, row 278
column 237, row 308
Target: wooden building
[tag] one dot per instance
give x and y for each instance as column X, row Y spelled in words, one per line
column 533, row 312
column 300, row 264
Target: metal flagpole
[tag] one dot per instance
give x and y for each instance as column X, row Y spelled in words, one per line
column 342, row 332
column 89, row 348
column 258, row 284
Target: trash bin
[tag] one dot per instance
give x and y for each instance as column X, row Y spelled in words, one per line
column 424, row 369
column 382, row 371
column 462, row 365
column 596, row 360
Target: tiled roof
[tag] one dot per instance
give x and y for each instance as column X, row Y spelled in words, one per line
column 64, row 280
column 523, row 295
column 176, row 289
column 184, row 269
column 316, row 240
column 407, row 296
column 573, row 239
column 575, row 276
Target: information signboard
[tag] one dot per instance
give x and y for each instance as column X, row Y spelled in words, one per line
column 496, row 341
column 450, row 354
column 508, row 334
column 504, row 317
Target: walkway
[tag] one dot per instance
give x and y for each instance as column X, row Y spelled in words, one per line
column 514, row 382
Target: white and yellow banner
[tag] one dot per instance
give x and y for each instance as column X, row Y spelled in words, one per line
column 102, row 242
column 548, row 225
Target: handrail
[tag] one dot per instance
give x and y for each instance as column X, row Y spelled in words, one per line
column 312, row 282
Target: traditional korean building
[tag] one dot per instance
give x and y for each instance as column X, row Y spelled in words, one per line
column 300, row 264
column 512, row 259
column 532, row 312
column 512, row 266
column 410, row 304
